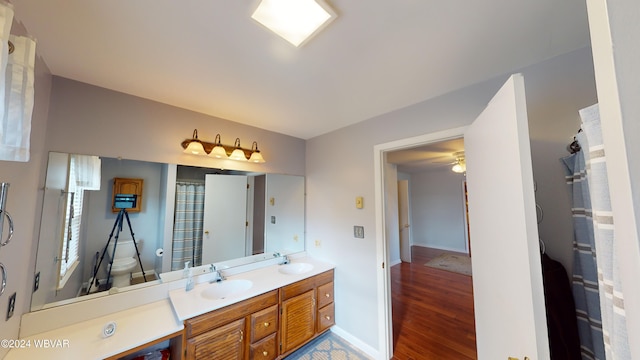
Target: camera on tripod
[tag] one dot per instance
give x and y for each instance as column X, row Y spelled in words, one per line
column 125, row 201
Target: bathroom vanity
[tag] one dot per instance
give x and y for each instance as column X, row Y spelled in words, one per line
column 265, row 313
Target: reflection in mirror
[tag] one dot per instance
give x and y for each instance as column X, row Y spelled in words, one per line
column 199, row 215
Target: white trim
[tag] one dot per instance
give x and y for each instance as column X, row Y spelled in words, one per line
column 440, row 247
column 385, row 333
column 395, row 262
column 362, row 346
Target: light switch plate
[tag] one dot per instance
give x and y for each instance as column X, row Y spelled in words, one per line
column 12, row 306
column 358, row 232
column 36, row 282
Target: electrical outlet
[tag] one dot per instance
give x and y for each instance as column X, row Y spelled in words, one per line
column 318, row 243
column 36, row 282
column 358, row 232
column 12, row 306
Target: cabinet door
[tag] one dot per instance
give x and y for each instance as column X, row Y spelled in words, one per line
column 223, row 343
column 298, row 320
column 128, row 186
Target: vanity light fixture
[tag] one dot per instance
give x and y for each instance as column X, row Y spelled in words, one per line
column 460, row 166
column 294, row 20
column 218, row 150
column 238, row 153
column 194, row 145
column 256, row 157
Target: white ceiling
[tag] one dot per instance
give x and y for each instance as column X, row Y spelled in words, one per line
column 377, row 56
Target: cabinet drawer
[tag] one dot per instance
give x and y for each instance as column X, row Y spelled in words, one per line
column 265, row 349
column 216, row 318
column 325, row 294
column 264, row 322
column 326, row 317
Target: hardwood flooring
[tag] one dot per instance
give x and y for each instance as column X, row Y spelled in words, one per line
column 432, row 311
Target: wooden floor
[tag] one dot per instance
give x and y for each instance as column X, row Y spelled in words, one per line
column 432, row 311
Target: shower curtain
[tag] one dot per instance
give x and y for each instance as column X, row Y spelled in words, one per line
column 187, row 228
column 585, row 272
column 599, row 224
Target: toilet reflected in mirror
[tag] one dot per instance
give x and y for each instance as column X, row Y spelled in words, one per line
column 124, row 261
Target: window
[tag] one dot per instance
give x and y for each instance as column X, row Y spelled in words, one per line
column 80, row 177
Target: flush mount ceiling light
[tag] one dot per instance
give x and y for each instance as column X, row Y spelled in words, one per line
column 294, row 20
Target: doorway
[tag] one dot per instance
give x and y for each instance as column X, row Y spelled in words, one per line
column 381, row 168
column 441, row 323
column 502, row 211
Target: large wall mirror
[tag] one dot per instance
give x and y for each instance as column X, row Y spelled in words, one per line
column 186, row 214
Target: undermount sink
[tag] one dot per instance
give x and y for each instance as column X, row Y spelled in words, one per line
column 226, row 288
column 295, row 268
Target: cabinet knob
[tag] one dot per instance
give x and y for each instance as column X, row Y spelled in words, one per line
column 266, row 324
column 265, row 353
column 327, row 295
column 328, row 317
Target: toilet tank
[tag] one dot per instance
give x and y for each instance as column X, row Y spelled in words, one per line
column 124, row 248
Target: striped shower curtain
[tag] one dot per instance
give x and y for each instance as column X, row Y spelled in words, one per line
column 601, row 226
column 614, row 323
column 187, row 228
column 585, row 271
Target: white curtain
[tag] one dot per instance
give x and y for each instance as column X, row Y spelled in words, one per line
column 18, row 100
column 6, row 19
column 614, row 324
column 87, row 171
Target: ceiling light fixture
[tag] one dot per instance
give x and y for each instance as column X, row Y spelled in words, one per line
column 460, row 166
column 294, row 20
column 218, row 150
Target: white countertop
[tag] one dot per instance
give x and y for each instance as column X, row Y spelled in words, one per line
column 143, row 324
column 188, row 304
column 134, row 327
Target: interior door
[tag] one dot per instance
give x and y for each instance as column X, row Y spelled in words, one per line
column 403, row 217
column 225, row 218
column 507, row 275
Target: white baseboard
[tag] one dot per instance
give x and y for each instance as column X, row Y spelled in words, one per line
column 439, row 247
column 394, row 262
column 365, row 348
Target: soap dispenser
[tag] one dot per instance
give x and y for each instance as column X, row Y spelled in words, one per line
column 188, row 273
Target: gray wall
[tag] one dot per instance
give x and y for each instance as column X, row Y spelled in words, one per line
column 340, row 166
column 437, row 210
column 24, row 203
column 74, row 117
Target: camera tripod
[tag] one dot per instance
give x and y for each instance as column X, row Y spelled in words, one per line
column 122, row 214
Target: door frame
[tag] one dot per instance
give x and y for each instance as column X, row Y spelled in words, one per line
column 385, row 332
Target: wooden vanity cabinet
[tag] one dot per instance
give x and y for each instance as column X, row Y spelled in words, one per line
column 266, row 327
column 307, row 310
column 236, row 332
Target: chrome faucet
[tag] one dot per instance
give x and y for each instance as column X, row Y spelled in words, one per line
column 218, row 274
column 285, row 258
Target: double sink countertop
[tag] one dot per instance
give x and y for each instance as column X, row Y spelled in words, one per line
column 207, row 296
column 140, row 325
